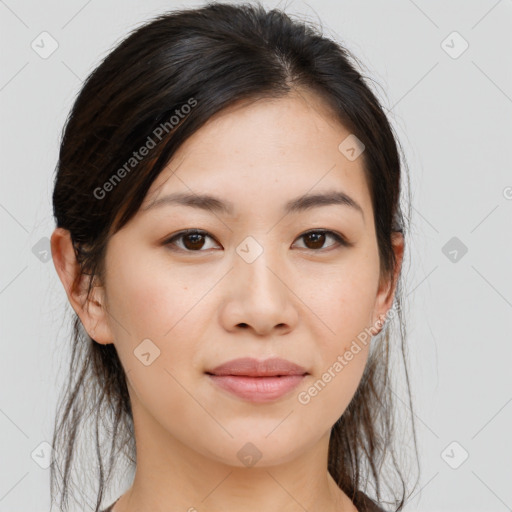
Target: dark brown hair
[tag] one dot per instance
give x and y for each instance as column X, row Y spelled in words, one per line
column 209, row 58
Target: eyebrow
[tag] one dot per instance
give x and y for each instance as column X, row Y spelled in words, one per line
column 213, row 204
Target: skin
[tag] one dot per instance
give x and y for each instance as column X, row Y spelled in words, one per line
column 299, row 300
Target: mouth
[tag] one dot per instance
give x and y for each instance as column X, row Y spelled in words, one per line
column 251, row 367
column 258, row 381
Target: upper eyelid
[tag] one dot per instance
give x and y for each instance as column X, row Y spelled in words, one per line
column 343, row 240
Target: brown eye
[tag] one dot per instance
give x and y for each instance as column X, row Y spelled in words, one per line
column 315, row 240
column 192, row 240
column 195, row 240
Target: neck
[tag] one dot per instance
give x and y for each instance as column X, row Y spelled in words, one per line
column 172, row 476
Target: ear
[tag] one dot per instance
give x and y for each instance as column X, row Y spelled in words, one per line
column 387, row 287
column 92, row 311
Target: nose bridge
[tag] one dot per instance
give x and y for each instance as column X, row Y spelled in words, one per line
column 256, row 265
column 257, row 294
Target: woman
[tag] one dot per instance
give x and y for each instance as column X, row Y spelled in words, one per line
column 230, row 237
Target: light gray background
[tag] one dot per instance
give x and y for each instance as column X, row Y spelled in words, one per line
column 454, row 119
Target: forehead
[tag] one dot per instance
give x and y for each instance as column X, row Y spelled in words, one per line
column 265, row 152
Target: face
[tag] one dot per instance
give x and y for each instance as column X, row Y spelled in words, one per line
column 260, row 280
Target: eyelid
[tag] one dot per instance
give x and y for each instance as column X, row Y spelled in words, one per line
column 192, row 231
column 340, row 239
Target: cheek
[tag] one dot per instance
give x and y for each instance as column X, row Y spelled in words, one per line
column 343, row 308
column 145, row 300
column 328, row 393
column 342, row 302
column 155, row 338
column 151, row 303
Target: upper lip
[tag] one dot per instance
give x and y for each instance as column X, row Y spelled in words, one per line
column 251, row 367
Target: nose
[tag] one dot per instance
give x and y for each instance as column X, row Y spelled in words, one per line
column 259, row 298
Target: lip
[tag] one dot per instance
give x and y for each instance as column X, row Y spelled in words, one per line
column 258, row 381
column 251, row 367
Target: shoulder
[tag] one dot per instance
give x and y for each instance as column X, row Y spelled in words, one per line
column 364, row 504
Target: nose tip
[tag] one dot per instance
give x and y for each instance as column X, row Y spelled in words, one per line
column 258, row 299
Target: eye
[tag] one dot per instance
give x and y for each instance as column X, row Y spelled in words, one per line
column 315, row 239
column 193, row 240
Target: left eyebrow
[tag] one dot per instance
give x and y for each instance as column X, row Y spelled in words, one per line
column 215, row 205
column 309, row 201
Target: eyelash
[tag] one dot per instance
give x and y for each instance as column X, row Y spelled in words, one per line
column 339, row 239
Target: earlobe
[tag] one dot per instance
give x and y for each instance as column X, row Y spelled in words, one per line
column 386, row 293
column 95, row 318
column 91, row 310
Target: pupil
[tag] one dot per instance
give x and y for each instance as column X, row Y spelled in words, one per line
column 316, row 238
column 194, row 241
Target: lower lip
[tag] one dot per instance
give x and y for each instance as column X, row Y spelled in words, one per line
column 257, row 389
